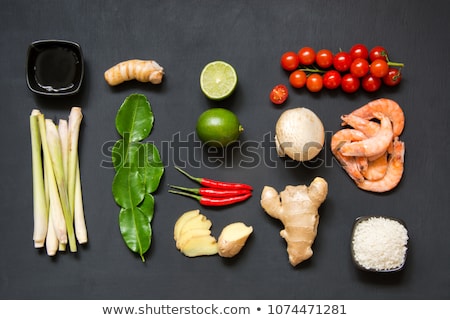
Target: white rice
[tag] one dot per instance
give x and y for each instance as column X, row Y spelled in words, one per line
column 380, row 243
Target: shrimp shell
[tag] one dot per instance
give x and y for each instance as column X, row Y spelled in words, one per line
column 376, row 169
column 369, row 128
column 393, row 174
column 349, row 164
column 373, row 146
column 388, row 107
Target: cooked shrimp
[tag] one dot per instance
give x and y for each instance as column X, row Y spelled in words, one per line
column 363, row 163
column 393, row 174
column 373, row 146
column 369, row 128
column 376, row 169
column 388, row 107
column 349, row 164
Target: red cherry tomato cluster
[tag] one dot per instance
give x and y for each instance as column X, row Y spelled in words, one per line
column 350, row 70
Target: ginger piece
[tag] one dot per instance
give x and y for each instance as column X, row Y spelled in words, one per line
column 192, row 234
column 140, row 70
column 200, row 246
column 187, row 235
column 193, row 227
column 297, row 208
column 182, row 220
column 233, row 238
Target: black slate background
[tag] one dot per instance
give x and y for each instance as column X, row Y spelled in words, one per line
column 183, row 36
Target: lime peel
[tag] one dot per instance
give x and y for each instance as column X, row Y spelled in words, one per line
column 218, row 127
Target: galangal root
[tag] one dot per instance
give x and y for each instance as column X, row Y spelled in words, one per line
column 297, row 208
column 370, row 151
column 140, row 70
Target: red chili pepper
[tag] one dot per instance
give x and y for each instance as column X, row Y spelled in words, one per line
column 216, row 184
column 215, row 193
column 213, row 201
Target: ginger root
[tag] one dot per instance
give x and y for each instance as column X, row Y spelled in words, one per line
column 297, row 208
column 140, row 70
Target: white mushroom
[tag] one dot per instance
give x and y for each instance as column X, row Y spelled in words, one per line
column 299, row 134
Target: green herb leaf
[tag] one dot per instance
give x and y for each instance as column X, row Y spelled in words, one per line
column 148, row 206
column 125, row 154
column 135, row 229
column 135, row 118
column 128, row 187
column 150, row 166
column 118, row 154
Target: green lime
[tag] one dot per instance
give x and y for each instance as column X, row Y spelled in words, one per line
column 218, row 127
column 218, row 80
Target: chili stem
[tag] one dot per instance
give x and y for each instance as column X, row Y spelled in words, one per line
column 191, row 195
column 199, row 180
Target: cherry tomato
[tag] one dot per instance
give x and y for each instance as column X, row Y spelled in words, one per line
column 279, row 94
column 393, row 77
column 307, row 56
column 359, row 67
column 377, row 52
column 314, row 82
column 289, row 61
column 359, row 51
column 324, row 58
column 370, row 83
column 297, row 79
column 350, row 83
column 379, row 68
column 342, row 61
column 332, row 79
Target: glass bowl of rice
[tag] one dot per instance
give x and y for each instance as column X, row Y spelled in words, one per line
column 379, row 243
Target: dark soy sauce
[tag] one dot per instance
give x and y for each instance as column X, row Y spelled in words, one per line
column 55, row 69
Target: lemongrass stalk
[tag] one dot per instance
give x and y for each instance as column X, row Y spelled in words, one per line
column 57, row 218
column 51, row 243
column 75, row 118
column 80, row 223
column 63, row 131
column 40, row 204
column 47, row 195
column 54, row 144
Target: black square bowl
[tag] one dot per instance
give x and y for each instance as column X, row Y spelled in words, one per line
column 54, row 67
